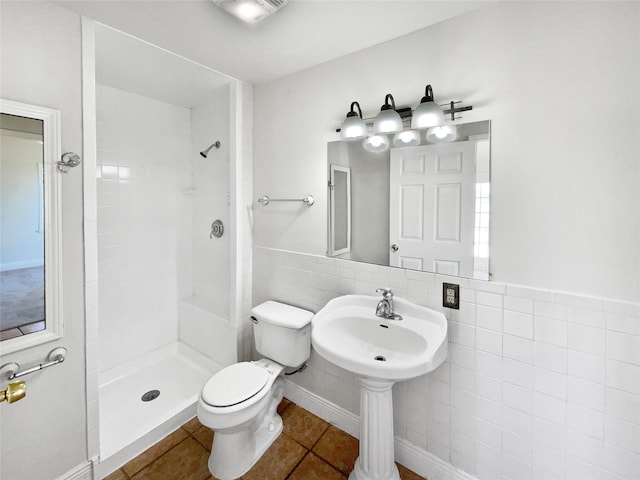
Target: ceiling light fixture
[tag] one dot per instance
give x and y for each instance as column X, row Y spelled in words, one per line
column 388, row 120
column 428, row 113
column 353, row 127
column 251, row 11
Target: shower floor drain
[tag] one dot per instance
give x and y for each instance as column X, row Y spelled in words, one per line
column 150, row 395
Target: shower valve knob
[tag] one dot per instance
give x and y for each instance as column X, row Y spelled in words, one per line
column 217, row 229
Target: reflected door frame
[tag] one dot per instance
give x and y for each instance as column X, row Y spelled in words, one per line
column 345, row 196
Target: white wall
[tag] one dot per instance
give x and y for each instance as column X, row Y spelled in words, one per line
column 143, row 152
column 539, row 384
column 560, row 82
column 22, row 240
column 44, row 435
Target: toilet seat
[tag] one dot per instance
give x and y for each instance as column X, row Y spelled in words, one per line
column 235, row 384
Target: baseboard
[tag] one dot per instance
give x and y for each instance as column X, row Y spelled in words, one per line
column 330, row 412
column 5, row 267
column 427, row 464
column 83, row 471
column 409, row 455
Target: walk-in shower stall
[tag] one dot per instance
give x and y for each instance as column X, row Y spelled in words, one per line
column 164, row 239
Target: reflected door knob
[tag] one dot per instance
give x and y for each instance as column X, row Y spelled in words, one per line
column 394, row 247
column 15, row 391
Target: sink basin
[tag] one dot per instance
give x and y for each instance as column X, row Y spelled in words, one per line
column 348, row 333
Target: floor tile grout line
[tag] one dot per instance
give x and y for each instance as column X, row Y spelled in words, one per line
column 297, row 465
column 320, row 437
column 207, row 448
column 309, row 452
column 160, row 456
column 320, row 456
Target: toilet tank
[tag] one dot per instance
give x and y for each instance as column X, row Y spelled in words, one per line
column 282, row 332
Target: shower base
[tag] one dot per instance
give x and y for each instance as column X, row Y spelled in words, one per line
column 129, row 425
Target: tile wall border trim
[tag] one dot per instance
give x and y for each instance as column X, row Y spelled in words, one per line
column 539, row 294
column 409, row 455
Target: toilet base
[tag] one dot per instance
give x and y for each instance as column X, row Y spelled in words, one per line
column 233, row 453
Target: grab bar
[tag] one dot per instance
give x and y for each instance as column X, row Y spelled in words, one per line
column 308, row 200
column 12, row 369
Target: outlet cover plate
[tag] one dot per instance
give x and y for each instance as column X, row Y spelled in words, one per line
column 451, row 295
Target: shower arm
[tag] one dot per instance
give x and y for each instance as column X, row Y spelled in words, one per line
column 215, row 144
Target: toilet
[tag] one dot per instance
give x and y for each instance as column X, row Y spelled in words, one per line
column 239, row 403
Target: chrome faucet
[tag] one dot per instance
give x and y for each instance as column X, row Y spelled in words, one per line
column 385, row 306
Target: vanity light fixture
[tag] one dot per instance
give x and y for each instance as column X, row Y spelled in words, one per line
column 353, row 127
column 408, row 138
column 251, row 11
column 388, row 120
column 442, row 134
column 428, row 113
column 376, row 143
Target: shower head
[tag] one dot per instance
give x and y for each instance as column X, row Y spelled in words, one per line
column 204, row 153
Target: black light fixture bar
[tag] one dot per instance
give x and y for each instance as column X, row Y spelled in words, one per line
column 407, row 112
column 453, row 109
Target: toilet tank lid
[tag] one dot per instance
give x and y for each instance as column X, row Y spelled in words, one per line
column 281, row 314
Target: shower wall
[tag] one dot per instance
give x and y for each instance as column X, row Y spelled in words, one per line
column 210, row 199
column 142, row 145
column 204, row 279
column 162, row 278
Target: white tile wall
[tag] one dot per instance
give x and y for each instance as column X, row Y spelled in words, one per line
column 141, row 145
column 538, row 384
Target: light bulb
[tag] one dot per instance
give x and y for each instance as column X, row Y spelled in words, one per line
column 387, row 121
column 376, row 143
column 428, row 113
column 408, row 138
column 442, row 134
column 353, row 127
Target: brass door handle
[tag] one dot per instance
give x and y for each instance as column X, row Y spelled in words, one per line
column 15, row 391
column 394, row 247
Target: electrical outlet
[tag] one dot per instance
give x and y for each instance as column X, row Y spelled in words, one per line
column 451, row 295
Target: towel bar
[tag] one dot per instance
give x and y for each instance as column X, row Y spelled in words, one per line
column 308, row 200
column 12, row 369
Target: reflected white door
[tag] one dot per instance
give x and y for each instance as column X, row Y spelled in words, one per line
column 431, row 212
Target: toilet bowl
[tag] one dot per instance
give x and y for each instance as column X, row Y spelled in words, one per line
column 240, row 402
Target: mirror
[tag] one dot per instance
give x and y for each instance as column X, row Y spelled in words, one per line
column 29, row 234
column 422, row 207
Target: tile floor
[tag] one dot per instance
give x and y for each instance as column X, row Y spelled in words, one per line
column 21, row 330
column 308, row 449
column 21, row 299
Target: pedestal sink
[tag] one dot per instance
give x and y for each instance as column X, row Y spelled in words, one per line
column 380, row 352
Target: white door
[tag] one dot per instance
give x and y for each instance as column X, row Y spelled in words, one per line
column 431, row 213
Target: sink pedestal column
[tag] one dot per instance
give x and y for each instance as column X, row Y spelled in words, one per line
column 376, row 460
